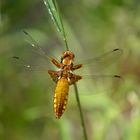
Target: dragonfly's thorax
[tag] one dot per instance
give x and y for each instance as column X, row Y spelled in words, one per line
column 67, row 68
column 65, row 74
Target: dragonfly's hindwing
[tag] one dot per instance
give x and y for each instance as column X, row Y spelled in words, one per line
column 61, row 96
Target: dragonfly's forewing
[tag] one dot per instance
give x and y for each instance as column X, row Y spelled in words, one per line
column 36, row 59
column 35, row 46
column 100, row 63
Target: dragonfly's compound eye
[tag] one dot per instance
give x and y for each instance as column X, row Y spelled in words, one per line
column 68, row 54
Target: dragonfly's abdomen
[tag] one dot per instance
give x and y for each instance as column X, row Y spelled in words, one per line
column 61, row 96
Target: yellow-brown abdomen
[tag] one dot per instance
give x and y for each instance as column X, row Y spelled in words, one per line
column 61, row 96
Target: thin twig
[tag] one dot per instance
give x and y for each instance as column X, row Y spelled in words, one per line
column 80, row 111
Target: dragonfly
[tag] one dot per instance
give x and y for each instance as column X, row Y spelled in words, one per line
column 64, row 76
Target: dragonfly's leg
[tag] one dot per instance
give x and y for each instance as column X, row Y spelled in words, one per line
column 75, row 67
column 74, row 78
column 56, row 63
column 54, row 75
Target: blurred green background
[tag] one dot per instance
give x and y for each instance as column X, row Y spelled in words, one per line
column 92, row 27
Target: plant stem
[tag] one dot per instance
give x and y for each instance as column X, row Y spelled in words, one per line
column 80, row 111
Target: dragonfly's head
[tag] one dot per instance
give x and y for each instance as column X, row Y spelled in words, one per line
column 67, row 58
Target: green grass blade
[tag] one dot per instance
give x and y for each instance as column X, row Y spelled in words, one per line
column 56, row 18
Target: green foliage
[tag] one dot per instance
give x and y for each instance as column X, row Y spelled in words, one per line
column 56, row 17
column 54, row 13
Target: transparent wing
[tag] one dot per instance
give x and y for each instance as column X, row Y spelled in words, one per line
column 24, row 65
column 37, row 59
column 100, row 63
column 98, row 84
column 36, row 47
